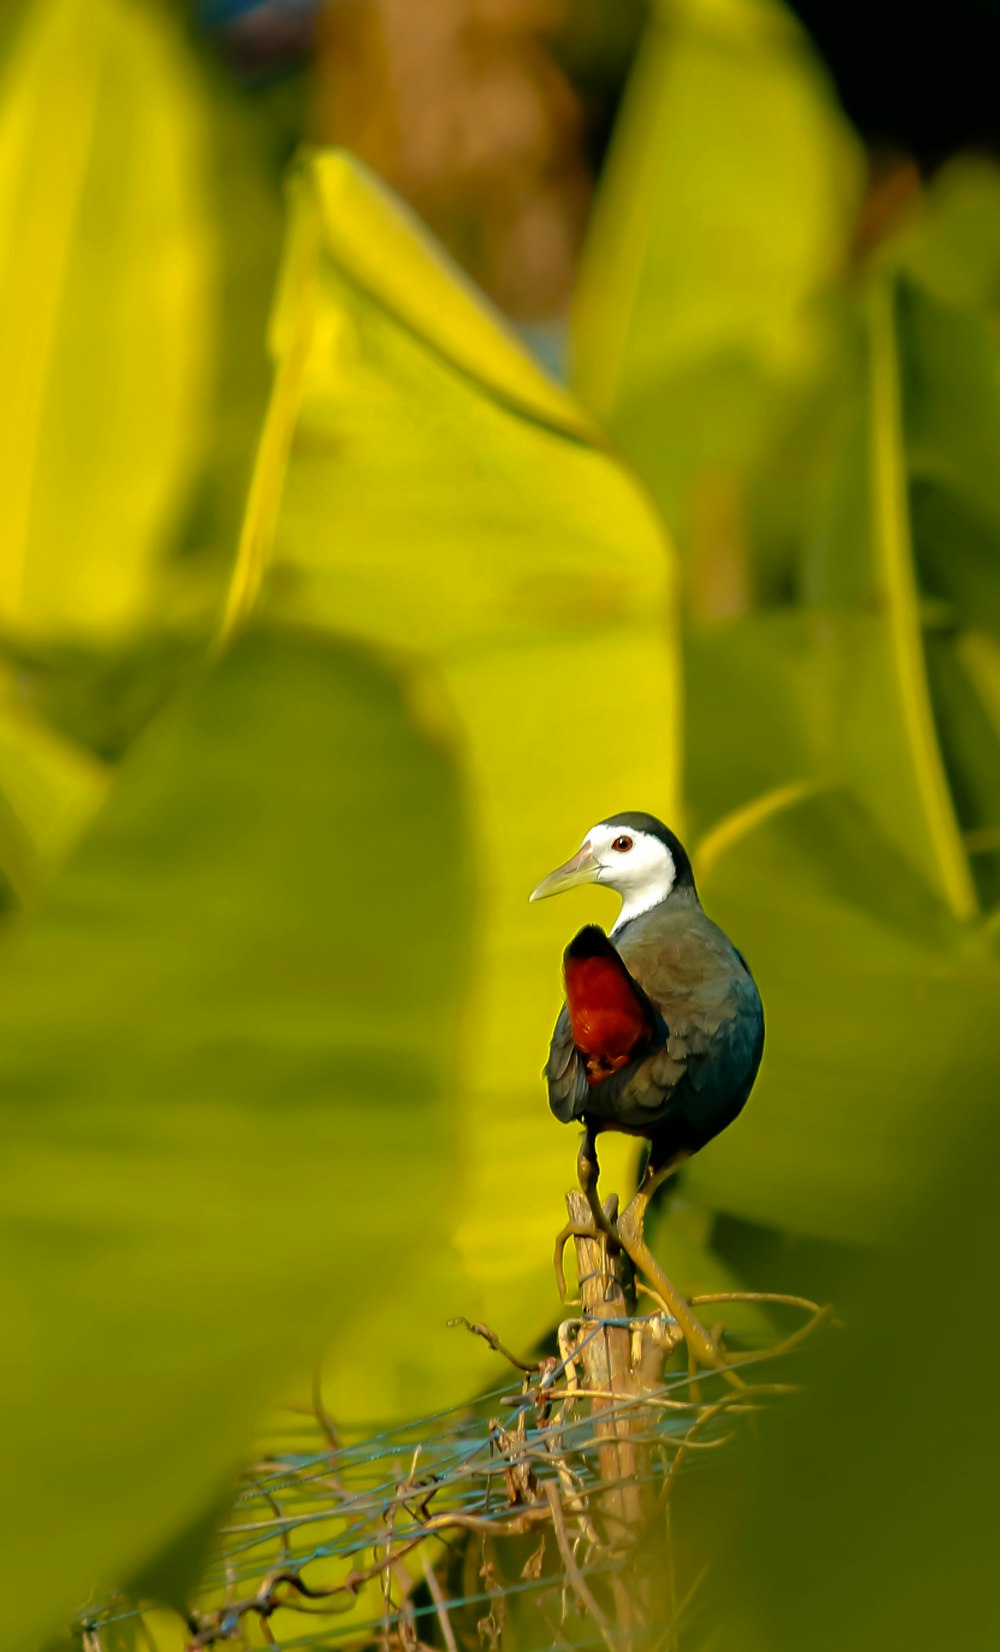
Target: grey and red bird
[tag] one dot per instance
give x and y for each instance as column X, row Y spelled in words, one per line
column 662, row 1030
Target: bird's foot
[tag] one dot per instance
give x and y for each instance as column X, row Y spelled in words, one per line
column 588, row 1170
column 703, row 1346
column 627, row 1234
column 581, row 1230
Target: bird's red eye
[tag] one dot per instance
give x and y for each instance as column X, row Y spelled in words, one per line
column 622, row 844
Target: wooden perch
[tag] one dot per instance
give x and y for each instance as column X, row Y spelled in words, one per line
column 619, row 1366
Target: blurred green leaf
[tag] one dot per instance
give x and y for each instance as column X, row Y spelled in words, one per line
column 879, row 1006
column 950, row 244
column 950, row 364
column 684, row 1232
column 49, row 790
column 227, row 1049
column 884, row 681
column 888, row 1115
column 965, row 680
column 724, row 214
column 762, row 710
column 951, row 404
column 863, row 571
column 907, row 572
column 421, row 484
column 843, row 759
column 123, row 388
column 862, row 1481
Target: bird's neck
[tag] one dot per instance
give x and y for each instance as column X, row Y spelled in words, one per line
column 643, row 900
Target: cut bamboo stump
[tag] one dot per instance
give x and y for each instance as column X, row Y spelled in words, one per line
column 621, row 1365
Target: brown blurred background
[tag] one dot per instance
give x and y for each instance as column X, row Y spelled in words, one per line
column 489, row 116
column 492, row 117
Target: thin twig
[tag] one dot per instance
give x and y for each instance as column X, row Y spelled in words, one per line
column 574, row 1575
column 779, row 1297
column 437, row 1596
column 480, row 1330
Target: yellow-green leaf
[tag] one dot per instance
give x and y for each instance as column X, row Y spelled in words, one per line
column 113, row 307
column 878, row 1005
column 226, row 1057
column 952, row 244
column 49, row 790
column 863, row 571
column 422, row 486
column 723, row 215
column 831, row 1486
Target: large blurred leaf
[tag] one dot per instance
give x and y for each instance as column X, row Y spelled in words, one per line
column 909, row 571
column 761, row 710
column 882, row 1033
column 724, row 213
column 951, row 405
column 423, row 485
column 140, row 218
column 224, row 1055
column 874, row 709
column 861, row 1481
column 49, row 789
column 951, row 245
column 891, row 683
column 117, row 314
column 863, row 571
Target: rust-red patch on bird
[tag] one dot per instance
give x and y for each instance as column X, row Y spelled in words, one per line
column 610, row 1022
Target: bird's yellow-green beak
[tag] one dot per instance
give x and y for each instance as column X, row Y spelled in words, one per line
column 583, row 868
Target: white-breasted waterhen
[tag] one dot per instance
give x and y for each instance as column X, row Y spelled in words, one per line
column 662, row 1030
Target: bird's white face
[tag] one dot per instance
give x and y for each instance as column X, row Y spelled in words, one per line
column 634, row 863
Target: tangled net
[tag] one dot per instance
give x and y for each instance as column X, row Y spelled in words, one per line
column 531, row 1519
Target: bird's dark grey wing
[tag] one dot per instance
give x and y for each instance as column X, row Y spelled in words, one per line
column 718, row 1043
column 565, row 1073
column 715, row 1029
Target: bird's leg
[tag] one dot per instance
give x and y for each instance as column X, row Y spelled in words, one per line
column 588, row 1171
column 631, row 1236
column 700, row 1343
column 635, row 1211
